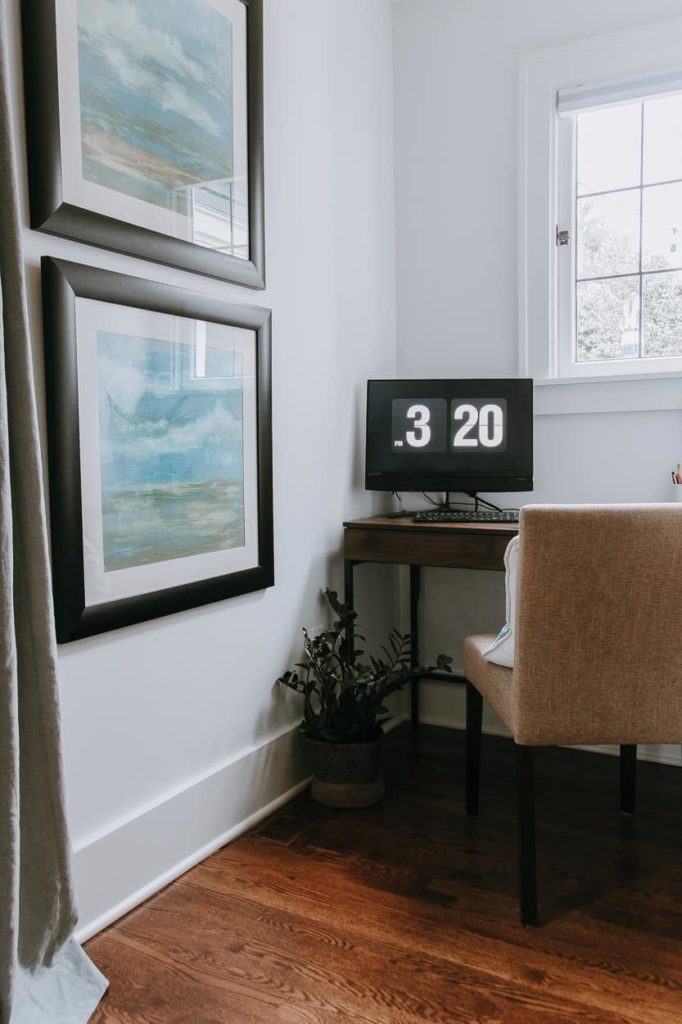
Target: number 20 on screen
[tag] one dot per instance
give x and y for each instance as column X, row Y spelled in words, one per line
column 469, row 424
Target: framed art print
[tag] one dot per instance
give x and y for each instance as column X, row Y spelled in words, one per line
column 145, row 129
column 158, row 403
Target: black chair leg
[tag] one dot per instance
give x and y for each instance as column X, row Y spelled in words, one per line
column 628, row 777
column 473, row 747
column 525, row 795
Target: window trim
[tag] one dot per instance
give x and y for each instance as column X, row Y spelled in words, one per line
column 642, row 51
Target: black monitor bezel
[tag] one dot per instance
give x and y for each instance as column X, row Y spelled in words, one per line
column 469, row 484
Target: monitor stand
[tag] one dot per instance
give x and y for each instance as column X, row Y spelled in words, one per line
column 448, row 505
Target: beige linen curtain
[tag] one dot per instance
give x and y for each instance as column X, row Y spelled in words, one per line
column 45, row 977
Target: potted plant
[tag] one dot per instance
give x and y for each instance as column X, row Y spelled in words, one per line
column 343, row 705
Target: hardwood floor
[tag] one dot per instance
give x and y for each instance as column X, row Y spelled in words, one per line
column 406, row 912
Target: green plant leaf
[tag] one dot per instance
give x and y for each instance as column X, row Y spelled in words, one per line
column 343, row 698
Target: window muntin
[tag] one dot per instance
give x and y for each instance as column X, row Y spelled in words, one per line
column 625, row 291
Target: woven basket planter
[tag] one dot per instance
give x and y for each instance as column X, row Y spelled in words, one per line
column 346, row 774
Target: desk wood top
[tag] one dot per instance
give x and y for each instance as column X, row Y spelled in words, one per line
column 388, row 522
column 398, row 539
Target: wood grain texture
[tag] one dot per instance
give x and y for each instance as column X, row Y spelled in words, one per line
column 406, row 912
column 404, row 542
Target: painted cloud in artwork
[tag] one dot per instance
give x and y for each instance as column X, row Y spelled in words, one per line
column 156, row 97
column 171, row 451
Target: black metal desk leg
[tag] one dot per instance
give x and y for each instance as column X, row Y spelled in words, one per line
column 415, row 586
column 348, row 567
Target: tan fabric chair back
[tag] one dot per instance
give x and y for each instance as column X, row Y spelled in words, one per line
column 599, row 625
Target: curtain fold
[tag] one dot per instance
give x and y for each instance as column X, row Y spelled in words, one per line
column 45, row 977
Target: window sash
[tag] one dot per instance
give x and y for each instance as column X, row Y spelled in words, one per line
column 563, row 356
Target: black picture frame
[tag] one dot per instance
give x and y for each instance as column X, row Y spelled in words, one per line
column 50, row 213
column 63, row 283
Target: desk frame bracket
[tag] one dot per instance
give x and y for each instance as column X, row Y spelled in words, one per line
column 392, row 540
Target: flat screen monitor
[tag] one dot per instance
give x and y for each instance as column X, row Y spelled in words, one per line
column 449, row 435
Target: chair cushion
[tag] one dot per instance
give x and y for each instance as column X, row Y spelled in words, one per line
column 493, row 682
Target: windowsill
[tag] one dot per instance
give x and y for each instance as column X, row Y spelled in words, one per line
column 632, row 393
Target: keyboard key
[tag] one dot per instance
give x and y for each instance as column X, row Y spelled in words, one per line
column 454, row 516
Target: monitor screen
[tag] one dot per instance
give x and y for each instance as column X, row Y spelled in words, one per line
column 449, row 435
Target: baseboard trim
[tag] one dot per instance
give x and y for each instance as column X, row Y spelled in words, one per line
column 643, row 754
column 170, row 794
column 120, row 867
column 493, row 728
column 161, row 881
column 125, row 864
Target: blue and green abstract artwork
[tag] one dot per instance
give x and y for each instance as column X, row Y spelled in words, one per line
column 156, row 98
column 171, row 450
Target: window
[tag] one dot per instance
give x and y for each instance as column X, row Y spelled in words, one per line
column 600, row 245
column 620, row 276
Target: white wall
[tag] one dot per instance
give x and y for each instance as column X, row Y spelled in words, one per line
column 173, row 734
column 456, row 123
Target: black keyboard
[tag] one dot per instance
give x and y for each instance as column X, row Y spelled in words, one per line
column 452, row 516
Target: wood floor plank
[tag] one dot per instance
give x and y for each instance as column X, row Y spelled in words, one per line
column 406, row 913
column 373, row 979
column 429, row 929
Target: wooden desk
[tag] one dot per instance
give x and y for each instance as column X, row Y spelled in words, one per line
column 401, row 541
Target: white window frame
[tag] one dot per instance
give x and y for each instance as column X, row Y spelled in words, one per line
column 546, row 159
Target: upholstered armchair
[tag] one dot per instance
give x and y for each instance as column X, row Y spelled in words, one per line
column 598, row 656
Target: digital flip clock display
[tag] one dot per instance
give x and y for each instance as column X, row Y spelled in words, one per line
column 455, row 425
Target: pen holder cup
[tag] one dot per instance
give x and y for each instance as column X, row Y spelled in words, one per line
column 677, row 492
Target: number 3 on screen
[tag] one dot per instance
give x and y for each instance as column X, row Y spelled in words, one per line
column 421, row 435
column 490, row 422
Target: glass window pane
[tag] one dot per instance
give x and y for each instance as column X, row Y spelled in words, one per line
column 662, row 227
column 609, row 148
column 608, row 319
column 662, row 314
column 663, row 139
column 608, row 234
